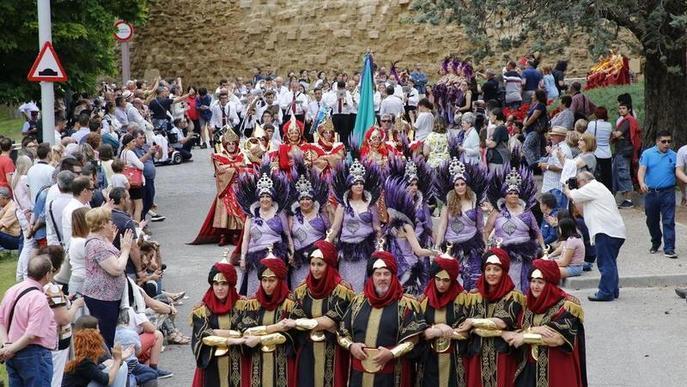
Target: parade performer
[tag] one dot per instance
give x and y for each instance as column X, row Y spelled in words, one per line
column 514, row 225
column 225, row 219
column 357, row 187
column 411, row 258
column 328, row 151
column 447, row 93
column 321, row 302
column 417, row 174
column 309, row 219
column 461, row 186
column 443, row 308
column 269, row 360
column 216, row 342
column 295, row 146
column 266, row 223
column 552, row 333
column 375, row 149
column 495, row 308
column 381, row 327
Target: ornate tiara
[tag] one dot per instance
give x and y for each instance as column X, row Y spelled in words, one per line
column 513, row 181
column 456, row 169
column 304, row 187
column 357, row 170
column 411, row 171
column 265, row 185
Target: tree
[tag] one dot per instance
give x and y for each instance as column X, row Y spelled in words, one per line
column 82, row 34
column 659, row 26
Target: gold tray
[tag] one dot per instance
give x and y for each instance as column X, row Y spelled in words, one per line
column 368, row 364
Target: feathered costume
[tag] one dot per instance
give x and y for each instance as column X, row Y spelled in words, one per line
column 357, row 233
column 411, row 170
column 464, row 229
column 446, row 92
column 263, row 234
column 516, row 234
column 305, row 183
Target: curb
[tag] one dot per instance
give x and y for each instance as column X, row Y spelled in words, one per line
column 634, row 281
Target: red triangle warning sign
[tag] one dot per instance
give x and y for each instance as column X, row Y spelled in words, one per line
column 47, row 66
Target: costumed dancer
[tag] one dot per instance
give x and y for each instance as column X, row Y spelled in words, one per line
column 216, row 341
column 309, row 219
column 356, row 223
column 266, row 222
column 461, row 186
column 294, row 146
column 381, row 327
column 444, row 309
column 375, row 149
column 225, row 219
column 552, row 333
column 321, row 302
column 330, row 152
column 514, row 226
column 270, row 359
column 495, row 308
column 411, row 258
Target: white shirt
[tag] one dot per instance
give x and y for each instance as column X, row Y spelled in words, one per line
column 392, row 105
column 602, row 131
column 57, row 204
column 332, row 99
column 377, row 100
column 423, row 125
column 276, row 120
column 413, row 97
column 229, row 112
column 67, row 220
column 552, row 180
column 313, row 108
column 301, row 102
column 600, row 210
column 81, row 133
column 38, row 176
column 471, row 147
column 77, row 256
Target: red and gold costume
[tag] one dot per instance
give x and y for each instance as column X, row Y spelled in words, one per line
column 377, row 153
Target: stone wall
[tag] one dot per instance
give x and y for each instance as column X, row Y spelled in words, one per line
column 205, row 40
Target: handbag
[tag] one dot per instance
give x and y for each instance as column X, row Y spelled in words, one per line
column 134, row 175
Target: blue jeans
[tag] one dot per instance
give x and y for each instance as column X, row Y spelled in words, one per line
column 32, row 366
column 607, row 249
column 659, row 207
column 10, row 242
column 148, row 196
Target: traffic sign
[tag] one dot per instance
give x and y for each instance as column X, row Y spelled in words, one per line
column 124, row 31
column 47, row 66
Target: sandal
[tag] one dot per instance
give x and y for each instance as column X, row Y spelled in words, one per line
column 177, row 337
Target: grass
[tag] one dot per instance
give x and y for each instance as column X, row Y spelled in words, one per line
column 10, row 124
column 608, row 97
column 8, row 264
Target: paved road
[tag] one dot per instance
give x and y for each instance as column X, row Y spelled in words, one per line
column 638, row 340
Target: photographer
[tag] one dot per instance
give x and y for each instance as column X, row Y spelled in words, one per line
column 606, row 229
column 180, row 142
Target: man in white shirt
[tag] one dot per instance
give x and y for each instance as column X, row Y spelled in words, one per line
column 270, row 103
column 223, row 113
column 391, row 104
column 341, row 102
column 55, row 206
column 606, row 230
column 83, row 129
column 378, row 96
column 424, row 124
column 279, row 88
column 293, row 101
column 40, row 174
column 82, row 193
column 551, row 165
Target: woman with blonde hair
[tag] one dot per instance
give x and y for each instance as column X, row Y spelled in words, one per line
column 77, row 250
column 585, row 160
column 84, row 370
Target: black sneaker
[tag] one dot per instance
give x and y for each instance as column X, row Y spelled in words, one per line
column 203, row 146
column 157, row 218
column 162, row 374
column 670, row 254
column 626, row 204
column 653, row 249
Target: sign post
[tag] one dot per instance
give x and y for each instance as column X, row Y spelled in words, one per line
column 47, row 90
column 124, row 32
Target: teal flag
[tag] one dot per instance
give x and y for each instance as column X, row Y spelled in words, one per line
column 366, row 108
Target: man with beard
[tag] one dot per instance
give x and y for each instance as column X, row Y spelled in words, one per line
column 381, row 327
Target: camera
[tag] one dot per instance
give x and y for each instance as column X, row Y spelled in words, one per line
column 572, row 183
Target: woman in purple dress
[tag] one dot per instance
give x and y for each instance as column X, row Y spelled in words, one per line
column 461, row 187
column 411, row 258
column 266, row 228
column 357, row 187
column 308, row 221
column 512, row 222
column 418, row 176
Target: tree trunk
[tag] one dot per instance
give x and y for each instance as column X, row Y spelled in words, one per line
column 665, row 95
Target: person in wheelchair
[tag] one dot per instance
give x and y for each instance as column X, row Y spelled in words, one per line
column 176, row 147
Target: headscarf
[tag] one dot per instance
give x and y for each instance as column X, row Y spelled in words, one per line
column 434, row 298
column 382, row 259
column 217, row 306
column 321, row 288
column 382, row 149
column 505, row 285
column 551, row 293
column 281, row 291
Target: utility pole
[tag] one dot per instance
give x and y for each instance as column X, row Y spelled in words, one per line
column 47, row 90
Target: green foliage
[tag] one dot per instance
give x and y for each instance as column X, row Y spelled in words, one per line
column 10, row 125
column 82, row 34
